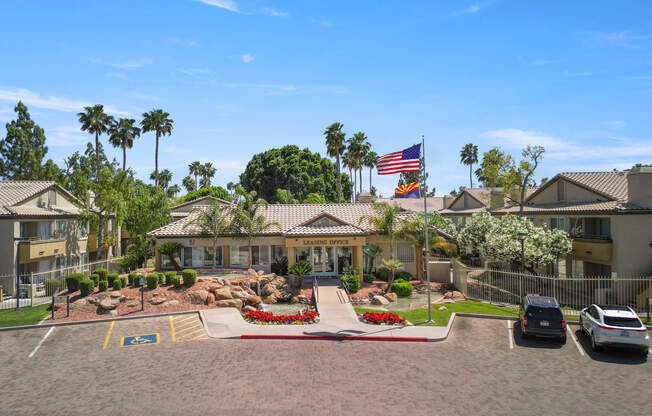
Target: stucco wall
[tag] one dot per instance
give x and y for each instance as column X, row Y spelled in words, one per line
column 7, row 246
column 574, row 193
column 632, row 253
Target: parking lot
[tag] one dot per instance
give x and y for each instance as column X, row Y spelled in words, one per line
column 157, row 366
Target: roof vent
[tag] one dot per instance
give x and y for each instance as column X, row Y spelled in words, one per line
column 365, row 198
column 639, row 186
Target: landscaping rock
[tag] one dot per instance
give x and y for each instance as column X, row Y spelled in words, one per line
column 270, row 290
column 253, row 300
column 132, row 303
column 269, row 300
column 295, row 299
column 239, row 294
column 108, row 304
column 252, row 272
column 223, row 293
column 197, row 297
column 391, row 296
column 78, row 303
column 304, row 299
column 157, row 300
column 455, row 295
column 379, row 300
column 172, row 302
column 443, row 308
column 260, row 272
column 229, row 303
column 92, row 300
column 284, row 296
column 210, row 298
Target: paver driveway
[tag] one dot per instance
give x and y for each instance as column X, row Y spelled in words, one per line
column 476, row 371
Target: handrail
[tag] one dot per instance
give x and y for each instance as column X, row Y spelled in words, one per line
column 315, row 288
column 346, row 289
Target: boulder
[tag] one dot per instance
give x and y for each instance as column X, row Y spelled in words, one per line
column 270, row 290
column 78, row 303
column 223, row 293
column 295, row 299
column 248, row 290
column 229, row 303
column 284, row 296
column 235, row 282
column 92, row 300
column 108, row 304
column 239, row 294
column 391, row 296
column 210, row 298
column 260, row 272
column 132, row 303
column 269, row 299
column 279, row 281
column 157, row 300
column 249, row 308
column 443, row 308
column 252, row 272
column 379, row 300
column 196, row 297
column 304, row 299
column 115, row 294
column 253, row 300
column 172, row 302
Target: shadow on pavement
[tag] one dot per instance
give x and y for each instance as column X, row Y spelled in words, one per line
column 534, row 342
column 609, row 355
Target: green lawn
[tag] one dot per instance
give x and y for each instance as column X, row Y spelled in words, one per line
column 419, row 316
column 24, row 316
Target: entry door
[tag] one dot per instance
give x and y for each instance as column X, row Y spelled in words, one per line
column 329, row 260
column 324, row 261
column 317, row 260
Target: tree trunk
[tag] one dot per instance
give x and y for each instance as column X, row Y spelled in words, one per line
column 214, row 254
column 339, row 178
column 370, row 169
column 196, row 183
column 100, row 235
column 156, row 162
column 391, row 280
column 97, row 158
column 520, row 203
column 360, row 179
column 249, row 242
column 471, row 174
column 351, row 179
column 124, row 159
column 355, row 183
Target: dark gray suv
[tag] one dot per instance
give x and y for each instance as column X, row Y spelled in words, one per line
column 542, row 316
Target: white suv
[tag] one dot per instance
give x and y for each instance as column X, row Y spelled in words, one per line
column 614, row 326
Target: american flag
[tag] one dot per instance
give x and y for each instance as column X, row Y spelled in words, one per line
column 404, row 161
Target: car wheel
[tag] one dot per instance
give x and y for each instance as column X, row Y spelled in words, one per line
column 581, row 324
column 594, row 345
column 644, row 353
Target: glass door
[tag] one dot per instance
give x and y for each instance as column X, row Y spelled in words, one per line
column 317, row 260
column 329, row 260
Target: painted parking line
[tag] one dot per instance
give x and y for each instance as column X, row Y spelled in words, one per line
column 187, row 328
column 510, row 334
column 108, row 335
column 31, row 354
column 577, row 344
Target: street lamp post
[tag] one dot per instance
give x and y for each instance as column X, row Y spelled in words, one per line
column 521, row 236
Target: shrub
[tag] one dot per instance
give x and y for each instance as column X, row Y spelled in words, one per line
column 152, row 281
column 161, row 278
column 403, row 275
column 402, row 288
column 102, row 273
column 95, row 278
column 175, row 281
column 103, row 285
column 117, row 284
column 72, row 281
column 86, row 287
column 378, row 318
column 280, row 266
column 382, row 274
column 369, row 278
column 131, row 278
column 123, row 282
column 111, row 278
column 189, row 277
column 352, row 282
column 137, row 280
column 51, row 287
column 169, row 276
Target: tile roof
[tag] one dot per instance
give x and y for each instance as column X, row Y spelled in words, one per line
column 42, row 212
column 340, row 229
column 414, row 204
column 182, row 207
column 612, row 184
column 576, row 207
column 13, row 193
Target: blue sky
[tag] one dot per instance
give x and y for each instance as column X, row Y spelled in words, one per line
column 239, row 77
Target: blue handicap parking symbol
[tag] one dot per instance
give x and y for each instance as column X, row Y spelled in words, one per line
column 139, row 340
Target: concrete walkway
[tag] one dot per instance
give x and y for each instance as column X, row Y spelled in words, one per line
column 338, row 320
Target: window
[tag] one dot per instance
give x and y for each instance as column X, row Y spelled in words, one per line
column 239, row 255
column 208, row 256
column 622, row 322
column 278, row 252
column 561, row 190
column 60, row 229
column 557, row 224
column 303, row 253
column 53, row 197
column 187, row 256
column 576, row 226
column 405, row 253
column 44, row 229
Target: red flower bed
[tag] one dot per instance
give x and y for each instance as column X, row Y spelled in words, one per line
column 378, row 318
column 268, row 318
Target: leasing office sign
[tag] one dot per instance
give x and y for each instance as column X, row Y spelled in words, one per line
column 325, row 241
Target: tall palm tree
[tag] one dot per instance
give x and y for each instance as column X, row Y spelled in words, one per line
column 412, row 230
column 214, row 221
column 359, row 147
column 189, row 184
column 159, row 122
column 207, row 171
column 122, row 134
column 195, row 169
column 385, row 222
column 335, row 139
column 370, row 161
column 348, row 161
column 469, row 156
column 172, row 191
column 164, row 178
column 95, row 121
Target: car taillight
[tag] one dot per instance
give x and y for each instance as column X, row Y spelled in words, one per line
column 524, row 321
column 563, row 324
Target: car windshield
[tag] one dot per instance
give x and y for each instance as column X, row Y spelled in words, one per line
column 624, row 322
column 549, row 314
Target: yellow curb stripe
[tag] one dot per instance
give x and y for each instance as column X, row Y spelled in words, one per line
column 186, row 324
column 190, row 333
column 202, row 336
column 187, row 328
column 184, row 318
column 174, row 339
column 108, row 335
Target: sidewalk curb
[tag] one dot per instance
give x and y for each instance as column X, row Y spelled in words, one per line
column 91, row 321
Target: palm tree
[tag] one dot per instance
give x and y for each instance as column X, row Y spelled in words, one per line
column 207, row 171
column 359, row 147
column 214, row 221
column 164, row 178
column 348, row 161
column 370, row 161
column 95, row 121
column 335, row 139
column 412, row 230
column 372, row 251
column 248, row 222
column 385, row 223
column 195, row 169
column 172, row 191
column 469, row 156
column 393, row 266
column 122, row 134
column 159, row 122
column 189, row 184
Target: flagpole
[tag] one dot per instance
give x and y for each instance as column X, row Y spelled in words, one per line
column 425, row 226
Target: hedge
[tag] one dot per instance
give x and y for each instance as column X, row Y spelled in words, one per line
column 111, row 277
column 95, row 278
column 123, row 281
column 175, row 281
column 86, row 287
column 117, row 284
column 51, row 287
column 131, row 277
column 152, row 281
column 103, row 285
column 402, row 288
column 403, row 275
column 102, row 273
column 369, row 278
column 72, row 281
column 382, row 274
column 189, row 277
column 137, row 280
column 352, row 282
column 168, row 276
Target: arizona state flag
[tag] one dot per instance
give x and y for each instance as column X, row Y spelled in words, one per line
column 410, row 190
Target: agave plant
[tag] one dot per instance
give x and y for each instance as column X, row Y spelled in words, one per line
column 300, row 269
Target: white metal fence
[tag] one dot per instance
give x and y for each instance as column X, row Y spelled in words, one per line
column 573, row 294
column 33, row 290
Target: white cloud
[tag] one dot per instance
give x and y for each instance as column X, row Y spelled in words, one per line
column 615, row 124
column 469, row 10
column 276, row 13
column 516, row 139
column 123, row 65
column 62, row 136
column 280, row 89
column 229, row 5
column 32, row 99
column 246, row 58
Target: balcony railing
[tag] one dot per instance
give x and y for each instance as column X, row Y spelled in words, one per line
column 586, row 236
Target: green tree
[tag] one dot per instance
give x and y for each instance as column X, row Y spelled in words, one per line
column 393, row 266
column 189, row 184
column 413, row 231
column 159, row 122
column 522, row 178
column 314, row 198
column 494, row 168
column 283, row 196
column 469, row 156
column 370, row 161
column 23, row 148
column 384, row 222
column 207, row 172
column 214, row 191
column 298, row 171
column 372, row 251
column 409, row 177
column 172, row 191
column 122, row 134
column 214, row 222
column 146, row 208
column 359, row 147
column 95, row 121
column 248, row 222
column 164, row 178
column 195, row 169
column 335, row 145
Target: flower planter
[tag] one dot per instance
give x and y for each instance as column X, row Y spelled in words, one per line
column 382, row 318
column 268, row 318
